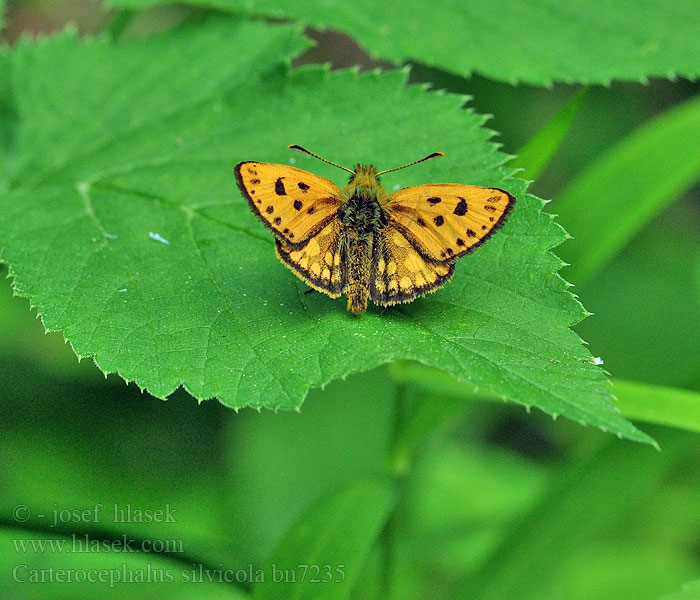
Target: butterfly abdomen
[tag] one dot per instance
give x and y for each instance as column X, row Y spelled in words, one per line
column 359, row 227
column 359, row 256
column 361, row 217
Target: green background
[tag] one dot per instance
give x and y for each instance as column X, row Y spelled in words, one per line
column 419, row 487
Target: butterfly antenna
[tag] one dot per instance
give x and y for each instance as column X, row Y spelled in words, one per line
column 300, row 149
column 415, row 162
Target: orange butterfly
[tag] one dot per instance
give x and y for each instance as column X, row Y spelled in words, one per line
column 364, row 242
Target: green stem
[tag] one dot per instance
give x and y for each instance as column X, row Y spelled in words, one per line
column 397, row 462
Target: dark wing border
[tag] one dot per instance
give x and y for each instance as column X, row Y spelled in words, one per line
column 333, row 290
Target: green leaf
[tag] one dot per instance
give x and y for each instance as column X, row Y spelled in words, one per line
column 125, row 228
column 636, row 401
column 514, row 40
column 79, row 120
column 322, row 554
column 536, row 154
column 690, row 591
column 23, row 337
column 658, row 404
column 626, row 187
column 437, row 382
column 434, row 381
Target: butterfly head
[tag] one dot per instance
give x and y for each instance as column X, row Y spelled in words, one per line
column 364, row 176
column 364, row 196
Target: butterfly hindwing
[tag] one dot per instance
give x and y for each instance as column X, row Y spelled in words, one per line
column 293, row 204
column 321, row 262
column 444, row 221
column 399, row 273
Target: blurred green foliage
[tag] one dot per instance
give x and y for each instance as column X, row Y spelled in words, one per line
column 584, row 42
column 488, row 501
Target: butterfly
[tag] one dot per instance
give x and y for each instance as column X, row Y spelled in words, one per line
column 364, row 242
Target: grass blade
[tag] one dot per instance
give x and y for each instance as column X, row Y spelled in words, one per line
column 323, row 552
column 625, row 188
column 536, row 154
column 658, row 404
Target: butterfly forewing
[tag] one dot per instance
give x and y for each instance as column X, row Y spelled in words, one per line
column 446, row 221
column 321, row 262
column 399, row 273
column 294, row 204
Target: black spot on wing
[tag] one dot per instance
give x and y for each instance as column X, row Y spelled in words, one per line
column 279, row 187
column 302, row 186
column 298, row 204
column 472, row 239
column 439, row 220
column 460, row 242
column 434, row 200
column 421, row 222
column 278, row 220
column 269, row 210
column 461, row 208
column 254, row 181
column 490, row 207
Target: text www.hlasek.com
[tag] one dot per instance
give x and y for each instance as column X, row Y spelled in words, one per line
column 78, row 544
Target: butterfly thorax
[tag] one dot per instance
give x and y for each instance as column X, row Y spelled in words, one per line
column 361, row 211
